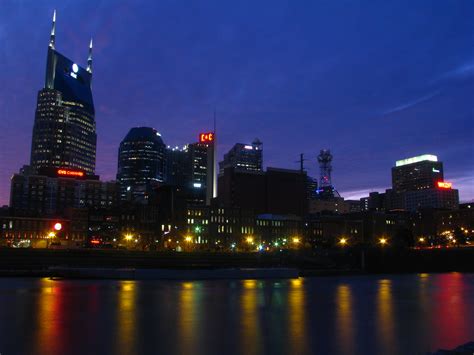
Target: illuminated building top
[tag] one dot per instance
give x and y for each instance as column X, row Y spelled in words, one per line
column 417, row 159
column 64, row 132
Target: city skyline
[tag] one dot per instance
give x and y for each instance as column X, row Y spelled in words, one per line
column 263, row 105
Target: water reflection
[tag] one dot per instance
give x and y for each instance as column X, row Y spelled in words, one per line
column 385, row 322
column 451, row 323
column 48, row 333
column 296, row 318
column 345, row 319
column 400, row 314
column 249, row 322
column 126, row 317
column 188, row 317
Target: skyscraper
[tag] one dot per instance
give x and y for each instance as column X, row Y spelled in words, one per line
column 417, row 173
column 418, row 182
column 64, row 132
column 188, row 168
column 243, row 157
column 141, row 163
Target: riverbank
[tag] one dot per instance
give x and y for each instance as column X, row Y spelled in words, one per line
column 192, row 265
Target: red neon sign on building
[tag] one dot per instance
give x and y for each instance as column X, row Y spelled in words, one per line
column 207, row 137
column 444, row 185
column 66, row 172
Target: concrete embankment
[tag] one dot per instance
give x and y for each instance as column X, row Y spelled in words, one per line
column 173, row 274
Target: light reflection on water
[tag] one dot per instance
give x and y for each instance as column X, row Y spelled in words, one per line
column 396, row 314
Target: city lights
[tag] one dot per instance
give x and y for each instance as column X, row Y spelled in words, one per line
column 188, row 239
column 207, row 137
column 128, row 237
column 58, row 226
column 444, row 185
column 249, row 240
column 296, row 240
column 383, row 241
column 343, row 241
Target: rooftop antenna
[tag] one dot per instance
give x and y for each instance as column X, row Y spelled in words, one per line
column 301, row 161
column 89, row 58
column 52, row 38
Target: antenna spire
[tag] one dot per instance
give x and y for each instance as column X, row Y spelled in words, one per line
column 89, row 58
column 52, row 38
column 214, row 121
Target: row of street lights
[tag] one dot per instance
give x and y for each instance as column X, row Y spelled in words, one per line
column 381, row 241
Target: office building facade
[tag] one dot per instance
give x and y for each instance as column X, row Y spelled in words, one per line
column 418, row 183
column 244, row 157
column 141, row 163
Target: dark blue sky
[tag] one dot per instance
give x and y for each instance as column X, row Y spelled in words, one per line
column 374, row 81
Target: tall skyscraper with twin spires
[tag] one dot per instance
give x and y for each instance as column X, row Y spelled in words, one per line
column 64, row 132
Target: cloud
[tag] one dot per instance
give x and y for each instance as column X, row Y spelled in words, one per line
column 410, row 104
column 357, row 194
column 461, row 72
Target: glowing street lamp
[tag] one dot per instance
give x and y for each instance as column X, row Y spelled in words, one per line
column 188, row 239
column 343, row 241
column 128, row 237
column 296, row 240
column 383, row 241
column 421, row 240
column 58, row 226
column 249, row 240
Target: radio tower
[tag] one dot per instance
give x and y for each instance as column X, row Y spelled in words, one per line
column 325, row 168
column 325, row 190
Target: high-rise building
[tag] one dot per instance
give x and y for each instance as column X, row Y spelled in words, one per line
column 64, row 132
column 417, row 173
column 141, row 163
column 243, row 157
column 418, row 183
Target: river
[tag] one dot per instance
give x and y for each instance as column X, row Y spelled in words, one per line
column 381, row 314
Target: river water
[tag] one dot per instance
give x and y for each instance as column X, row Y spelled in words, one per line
column 383, row 314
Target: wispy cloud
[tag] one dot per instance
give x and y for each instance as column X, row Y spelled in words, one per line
column 462, row 71
column 357, row 194
column 410, row 104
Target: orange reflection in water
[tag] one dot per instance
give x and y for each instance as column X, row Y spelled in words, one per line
column 385, row 321
column 249, row 323
column 188, row 314
column 345, row 319
column 126, row 317
column 48, row 335
column 296, row 318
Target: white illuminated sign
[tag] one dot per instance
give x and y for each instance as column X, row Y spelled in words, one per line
column 249, row 147
column 75, row 69
column 424, row 157
column 197, row 185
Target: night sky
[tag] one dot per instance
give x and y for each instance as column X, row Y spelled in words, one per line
column 374, row 81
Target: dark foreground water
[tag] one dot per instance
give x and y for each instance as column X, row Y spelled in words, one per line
column 401, row 314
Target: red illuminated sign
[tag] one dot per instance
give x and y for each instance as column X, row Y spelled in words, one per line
column 207, row 137
column 66, row 172
column 444, row 185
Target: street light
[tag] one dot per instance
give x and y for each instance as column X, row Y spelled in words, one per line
column 421, row 240
column 249, row 240
column 128, row 237
column 296, row 240
column 383, row 241
column 188, row 239
column 343, row 241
